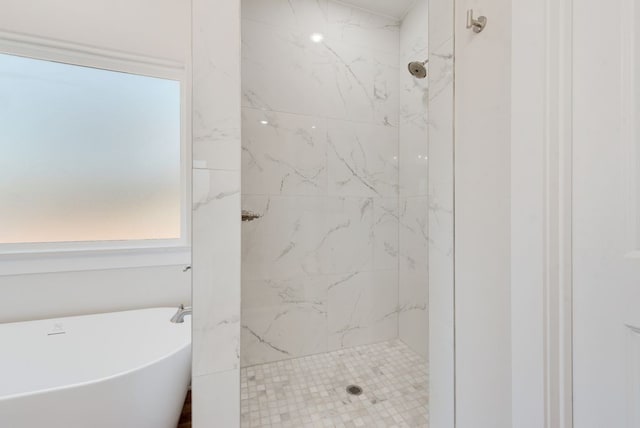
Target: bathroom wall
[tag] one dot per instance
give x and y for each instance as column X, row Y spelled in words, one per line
column 320, row 153
column 50, row 295
column 483, row 217
column 158, row 29
column 144, row 27
column 414, row 139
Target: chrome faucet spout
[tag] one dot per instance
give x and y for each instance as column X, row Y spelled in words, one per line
column 178, row 317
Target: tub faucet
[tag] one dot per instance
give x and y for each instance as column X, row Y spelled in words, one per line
column 182, row 312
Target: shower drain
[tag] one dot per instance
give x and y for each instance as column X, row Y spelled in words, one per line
column 354, row 390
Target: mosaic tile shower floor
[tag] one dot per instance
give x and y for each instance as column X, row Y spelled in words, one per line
column 311, row 391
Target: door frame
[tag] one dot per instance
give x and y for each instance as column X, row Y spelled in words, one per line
column 541, row 204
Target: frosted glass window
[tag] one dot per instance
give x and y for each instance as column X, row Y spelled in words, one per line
column 87, row 154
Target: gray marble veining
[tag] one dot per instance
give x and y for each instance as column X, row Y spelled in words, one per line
column 216, row 127
column 320, row 165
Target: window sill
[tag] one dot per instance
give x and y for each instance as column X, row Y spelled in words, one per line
column 70, row 261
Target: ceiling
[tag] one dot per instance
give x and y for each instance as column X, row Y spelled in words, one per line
column 393, row 8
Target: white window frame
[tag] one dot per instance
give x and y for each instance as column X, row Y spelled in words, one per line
column 94, row 255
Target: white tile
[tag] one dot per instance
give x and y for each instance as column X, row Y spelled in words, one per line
column 310, row 16
column 216, row 400
column 414, row 160
column 318, row 226
column 215, row 91
column 414, row 239
column 351, row 76
column 283, row 154
column 413, row 290
column 363, row 159
column 313, row 389
column 350, row 93
column 385, row 233
column 283, row 318
column 414, row 33
column 414, row 98
column 441, row 187
column 283, row 243
column 440, row 217
column 413, row 318
column 441, row 67
column 386, row 88
column 216, row 85
column 347, row 243
column 283, row 70
column 413, row 274
column 297, row 236
column 357, row 27
column 363, row 308
column 216, row 270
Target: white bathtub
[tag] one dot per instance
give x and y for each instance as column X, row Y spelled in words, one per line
column 117, row 370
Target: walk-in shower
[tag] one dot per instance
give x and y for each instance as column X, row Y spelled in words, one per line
column 335, row 202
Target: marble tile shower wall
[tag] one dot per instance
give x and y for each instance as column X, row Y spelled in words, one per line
column 320, row 166
column 414, row 138
column 216, row 212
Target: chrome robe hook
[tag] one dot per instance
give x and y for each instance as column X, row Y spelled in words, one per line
column 476, row 24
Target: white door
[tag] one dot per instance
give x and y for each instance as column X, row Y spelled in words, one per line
column 606, row 213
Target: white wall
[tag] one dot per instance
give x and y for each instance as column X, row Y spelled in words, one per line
column 529, row 127
column 513, row 231
column 482, row 217
column 159, row 29
column 38, row 296
column 142, row 27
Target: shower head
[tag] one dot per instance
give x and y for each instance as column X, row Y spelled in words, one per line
column 418, row 69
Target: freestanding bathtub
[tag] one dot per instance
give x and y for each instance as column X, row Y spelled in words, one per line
column 116, row 370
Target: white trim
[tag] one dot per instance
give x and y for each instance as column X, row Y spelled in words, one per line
column 76, row 256
column 627, row 122
column 75, row 247
column 558, row 206
column 89, row 56
column 564, row 286
column 632, row 357
column 48, row 262
column 541, row 214
column 528, row 125
column 628, row 87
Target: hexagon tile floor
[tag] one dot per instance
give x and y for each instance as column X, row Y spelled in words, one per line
column 311, row 391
